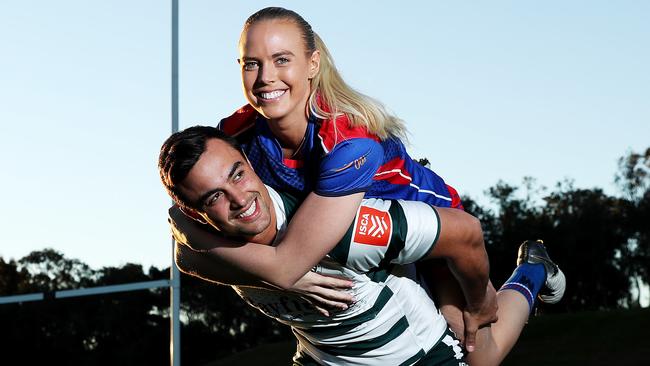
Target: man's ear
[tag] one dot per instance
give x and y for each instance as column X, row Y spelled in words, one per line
column 193, row 214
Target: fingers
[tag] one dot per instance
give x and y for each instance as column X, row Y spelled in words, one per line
column 334, row 282
column 319, row 281
column 321, row 310
column 331, row 293
column 338, row 283
column 470, row 337
column 325, row 292
column 327, row 302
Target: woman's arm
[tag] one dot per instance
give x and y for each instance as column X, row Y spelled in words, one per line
column 315, row 229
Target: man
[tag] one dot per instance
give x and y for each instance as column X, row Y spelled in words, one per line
column 392, row 322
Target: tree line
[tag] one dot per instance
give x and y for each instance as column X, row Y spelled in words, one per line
column 602, row 243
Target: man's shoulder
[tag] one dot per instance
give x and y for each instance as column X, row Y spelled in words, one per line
column 286, row 202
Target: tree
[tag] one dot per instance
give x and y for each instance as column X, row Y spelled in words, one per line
column 633, row 178
column 588, row 234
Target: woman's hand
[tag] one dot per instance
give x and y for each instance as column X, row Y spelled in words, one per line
column 325, row 293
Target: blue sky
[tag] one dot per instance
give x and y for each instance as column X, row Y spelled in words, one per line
column 503, row 90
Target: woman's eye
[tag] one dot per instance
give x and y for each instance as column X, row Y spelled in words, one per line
column 239, row 176
column 250, row 65
column 282, row 60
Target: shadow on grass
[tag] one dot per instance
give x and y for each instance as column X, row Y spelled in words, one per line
column 618, row 338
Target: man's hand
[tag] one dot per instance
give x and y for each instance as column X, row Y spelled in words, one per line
column 324, row 292
column 480, row 316
column 190, row 232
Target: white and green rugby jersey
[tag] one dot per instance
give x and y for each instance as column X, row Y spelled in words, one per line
column 394, row 321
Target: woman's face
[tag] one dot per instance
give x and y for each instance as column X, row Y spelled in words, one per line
column 276, row 70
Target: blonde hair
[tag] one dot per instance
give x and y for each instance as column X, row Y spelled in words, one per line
column 330, row 96
column 340, row 98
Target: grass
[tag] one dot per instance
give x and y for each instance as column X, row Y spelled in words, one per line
column 591, row 338
column 620, row 338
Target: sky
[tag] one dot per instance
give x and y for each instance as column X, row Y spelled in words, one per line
column 492, row 91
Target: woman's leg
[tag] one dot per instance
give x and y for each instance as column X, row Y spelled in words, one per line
column 494, row 342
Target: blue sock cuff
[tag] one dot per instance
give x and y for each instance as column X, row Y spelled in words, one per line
column 527, row 279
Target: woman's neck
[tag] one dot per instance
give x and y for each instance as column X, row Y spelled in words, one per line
column 290, row 134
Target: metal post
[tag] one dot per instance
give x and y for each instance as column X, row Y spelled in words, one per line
column 175, row 289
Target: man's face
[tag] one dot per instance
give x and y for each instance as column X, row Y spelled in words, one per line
column 224, row 189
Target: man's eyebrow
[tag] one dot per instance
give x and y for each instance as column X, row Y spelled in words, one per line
column 209, row 193
column 234, row 168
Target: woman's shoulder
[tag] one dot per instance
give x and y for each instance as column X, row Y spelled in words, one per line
column 334, row 131
column 239, row 122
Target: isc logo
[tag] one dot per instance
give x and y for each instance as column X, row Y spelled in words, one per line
column 373, row 227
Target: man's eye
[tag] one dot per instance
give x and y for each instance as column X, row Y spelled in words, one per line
column 212, row 199
column 238, row 176
column 250, row 65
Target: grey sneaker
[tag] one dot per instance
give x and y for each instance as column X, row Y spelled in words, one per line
column 534, row 252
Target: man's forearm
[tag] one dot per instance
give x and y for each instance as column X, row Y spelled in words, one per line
column 472, row 270
column 461, row 245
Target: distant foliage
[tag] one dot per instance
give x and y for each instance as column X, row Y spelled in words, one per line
column 601, row 242
column 129, row 328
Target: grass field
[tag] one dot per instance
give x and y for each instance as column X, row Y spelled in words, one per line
column 613, row 338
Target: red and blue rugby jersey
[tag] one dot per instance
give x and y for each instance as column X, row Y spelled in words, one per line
column 338, row 159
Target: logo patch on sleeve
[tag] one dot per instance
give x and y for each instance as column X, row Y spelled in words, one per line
column 373, row 227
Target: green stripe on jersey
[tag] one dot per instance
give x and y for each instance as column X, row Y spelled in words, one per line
column 348, row 324
column 290, row 203
column 435, row 240
column 359, row 348
column 379, row 274
column 398, row 237
column 395, row 246
column 414, row 358
column 341, row 251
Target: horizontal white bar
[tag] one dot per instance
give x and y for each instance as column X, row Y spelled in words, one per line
column 87, row 291
column 21, row 298
column 113, row 288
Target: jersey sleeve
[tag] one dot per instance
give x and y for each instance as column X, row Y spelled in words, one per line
column 387, row 232
column 238, row 123
column 422, row 232
column 349, row 167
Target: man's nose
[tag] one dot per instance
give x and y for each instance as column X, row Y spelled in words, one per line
column 237, row 198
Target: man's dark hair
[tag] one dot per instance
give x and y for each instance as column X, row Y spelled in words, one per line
column 181, row 151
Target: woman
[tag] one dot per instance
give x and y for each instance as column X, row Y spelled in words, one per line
column 305, row 130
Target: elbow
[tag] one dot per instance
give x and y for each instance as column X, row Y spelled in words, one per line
column 475, row 234
column 476, row 245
